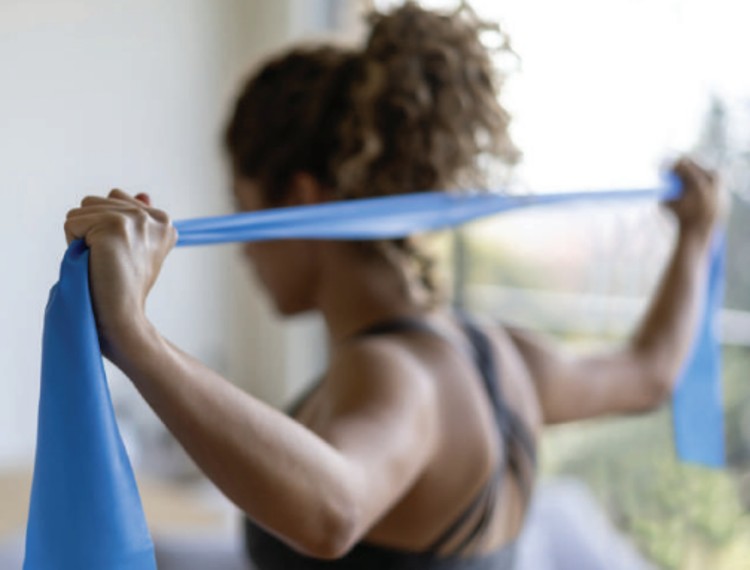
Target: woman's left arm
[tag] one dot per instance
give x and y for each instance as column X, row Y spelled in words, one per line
column 640, row 375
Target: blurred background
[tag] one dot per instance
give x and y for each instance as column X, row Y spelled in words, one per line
column 99, row 94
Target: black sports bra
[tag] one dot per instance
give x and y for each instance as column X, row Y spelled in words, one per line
column 269, row 553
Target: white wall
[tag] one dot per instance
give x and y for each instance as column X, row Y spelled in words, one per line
column 101, row 93
column 271, row 359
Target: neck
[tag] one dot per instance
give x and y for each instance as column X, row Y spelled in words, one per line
column 356, row 290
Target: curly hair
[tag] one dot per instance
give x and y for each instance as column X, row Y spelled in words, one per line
column 413, row 110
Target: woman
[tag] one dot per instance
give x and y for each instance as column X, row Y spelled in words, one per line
column 417, row 448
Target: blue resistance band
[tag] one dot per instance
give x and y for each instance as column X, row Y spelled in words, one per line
column 386, row 217
column 85, row 508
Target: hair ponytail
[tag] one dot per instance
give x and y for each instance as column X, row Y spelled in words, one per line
column 424, row 107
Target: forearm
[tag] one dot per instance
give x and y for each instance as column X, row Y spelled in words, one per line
column 663, row 339
column 281, row 474
column 641, row 374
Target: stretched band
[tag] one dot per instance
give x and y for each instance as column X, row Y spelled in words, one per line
column 85, row 509
column 391, row 216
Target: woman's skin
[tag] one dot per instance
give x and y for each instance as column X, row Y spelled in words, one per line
column 399, row 437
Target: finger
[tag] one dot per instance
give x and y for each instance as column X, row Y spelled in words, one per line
column 101, row 200
column 682, row 167
column 143, row 197
column 160, row 215
column 139, row 214
column 94, row 200
column 701, row 173
column 103, row 208
column 688, row 173
column 69, row 237
column 118, row 194
column 82, row 227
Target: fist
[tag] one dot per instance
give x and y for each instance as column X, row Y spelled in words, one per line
column 701, row 204
column 128, row 242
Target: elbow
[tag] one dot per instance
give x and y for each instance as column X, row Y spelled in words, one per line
column 658, row 386
column 658, row 392
column 335, row 532
column 335, row 543
column 657, row 372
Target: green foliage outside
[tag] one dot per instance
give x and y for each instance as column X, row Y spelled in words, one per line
column 680, row 516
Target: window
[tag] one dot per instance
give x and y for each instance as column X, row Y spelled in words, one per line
column 606, row 92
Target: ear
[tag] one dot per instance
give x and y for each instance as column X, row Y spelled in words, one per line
column 305, row 190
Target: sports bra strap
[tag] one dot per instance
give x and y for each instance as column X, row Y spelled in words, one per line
column 411, row 324
column 510, row 426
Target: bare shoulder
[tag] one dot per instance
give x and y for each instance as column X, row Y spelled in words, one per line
column 378, row 407
column 380, row 371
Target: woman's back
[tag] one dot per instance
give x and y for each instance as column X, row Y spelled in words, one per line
column 467, row 506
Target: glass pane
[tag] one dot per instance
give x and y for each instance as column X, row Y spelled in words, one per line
column 608, row 91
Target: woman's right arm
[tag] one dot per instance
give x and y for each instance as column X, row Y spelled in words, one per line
column 319, row 491
column 641, row 374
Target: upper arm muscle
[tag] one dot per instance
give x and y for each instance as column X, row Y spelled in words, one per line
column 572, row 388
column 382, row 420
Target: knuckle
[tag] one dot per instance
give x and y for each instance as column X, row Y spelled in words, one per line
column 117, row 223
column 160, row 216
column 169, row 233
column 140, row 215
column 117, row 193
